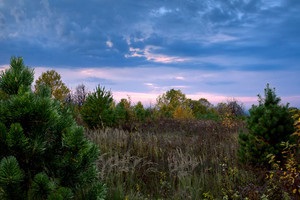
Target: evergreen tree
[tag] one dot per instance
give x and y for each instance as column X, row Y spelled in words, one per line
column 124, row 113
column 43, row 153
column 16, row 77
column 140, row 113
column 268, row 125
column 97, row 111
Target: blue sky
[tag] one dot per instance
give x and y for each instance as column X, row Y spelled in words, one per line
column 216, row 49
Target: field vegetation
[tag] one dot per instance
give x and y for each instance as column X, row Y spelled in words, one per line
column 63, row 144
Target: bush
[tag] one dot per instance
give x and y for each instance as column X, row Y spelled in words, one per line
column 269, row 124
column 283, row 178
column 43, row 153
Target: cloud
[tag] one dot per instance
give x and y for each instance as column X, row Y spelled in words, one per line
column 220, row 38
column 228, row 48
column 3, row 67
column 151, row 55
column 147, row 99
column 179, row 78
column 147, row 31
column 109, row 44
column 160, row 11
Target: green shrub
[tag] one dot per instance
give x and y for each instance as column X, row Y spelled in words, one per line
column 268, row 125
column 43, row 153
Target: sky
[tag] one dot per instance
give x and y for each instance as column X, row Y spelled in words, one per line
column 213, row 49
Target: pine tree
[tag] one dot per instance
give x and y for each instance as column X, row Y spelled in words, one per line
column 16, row 77
column 97, row 111
column 43, row 153
column 269, row 124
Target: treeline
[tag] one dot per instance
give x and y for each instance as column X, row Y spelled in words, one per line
column 98, row 109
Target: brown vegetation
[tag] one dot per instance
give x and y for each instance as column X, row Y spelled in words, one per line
column 172, row 159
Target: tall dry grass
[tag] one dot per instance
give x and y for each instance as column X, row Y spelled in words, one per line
column 172, row 160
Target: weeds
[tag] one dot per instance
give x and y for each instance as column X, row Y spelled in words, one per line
column 187, row 161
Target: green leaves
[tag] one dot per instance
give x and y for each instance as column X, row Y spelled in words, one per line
column 173, row 103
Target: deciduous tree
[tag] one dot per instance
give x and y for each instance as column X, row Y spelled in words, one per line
column 168, row 102
column 80, row 95
column 124, row 113
column 53, row 80
column 201, row 108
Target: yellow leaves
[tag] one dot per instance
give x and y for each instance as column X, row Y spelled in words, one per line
column 271, row 175
column 297, row 126
column 297, row 132
column 228, row 120
column 286, row 174
column 162, row 177
column 183, row 113
column 53, row 80
column 137, row 187
column 296, row 117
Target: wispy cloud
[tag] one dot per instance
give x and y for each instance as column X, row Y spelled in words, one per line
column 150, row 54
column 219, row 38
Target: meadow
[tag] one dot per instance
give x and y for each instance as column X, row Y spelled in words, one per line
column 176, row 159
column 179, row 149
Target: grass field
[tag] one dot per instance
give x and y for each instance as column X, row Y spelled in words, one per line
column 175, row 159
